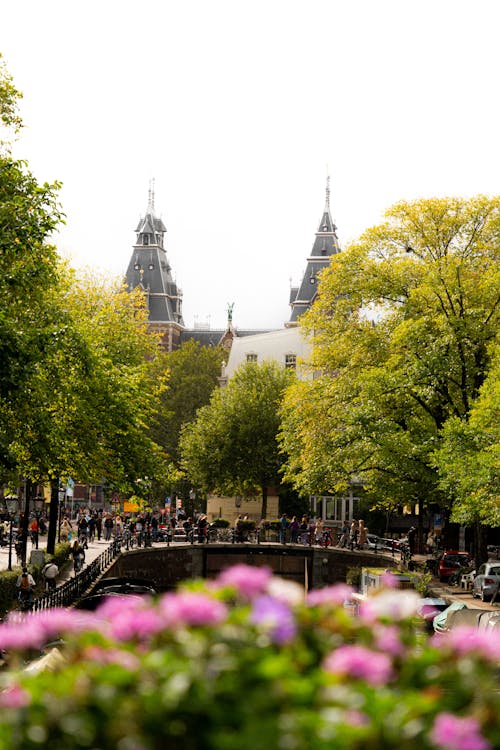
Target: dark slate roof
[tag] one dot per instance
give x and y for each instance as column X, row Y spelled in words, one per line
column 326, row 244
column 149, row 268
column 208, row 337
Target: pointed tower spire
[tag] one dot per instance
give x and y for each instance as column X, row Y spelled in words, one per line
column 326, row 244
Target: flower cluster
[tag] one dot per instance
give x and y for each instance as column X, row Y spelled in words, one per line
column 248, row 660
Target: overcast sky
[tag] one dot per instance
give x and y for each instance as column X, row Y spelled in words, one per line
column 238, row 109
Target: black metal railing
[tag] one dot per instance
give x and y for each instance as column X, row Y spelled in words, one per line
column 75, row 587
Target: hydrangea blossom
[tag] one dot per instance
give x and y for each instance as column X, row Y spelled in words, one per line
column 466, row 640
column 452, row 732
column 361, row 663
column 275, row 616
column 249, row 581
column 330, row 595
column 191, row 608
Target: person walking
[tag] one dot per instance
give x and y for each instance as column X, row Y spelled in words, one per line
column 362, row 534
column 98, row 527
column 283, row 528
column 108, row 527
column 65, row 529
column 344, row 535
column 353, row 534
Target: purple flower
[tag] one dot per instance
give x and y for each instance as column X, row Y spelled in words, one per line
column 454, row 733
column 14, row 697
column 248, row 580
column 361, row 663
column 276, row 617
column 466, row 640
column 191, row 608
column 332, row 595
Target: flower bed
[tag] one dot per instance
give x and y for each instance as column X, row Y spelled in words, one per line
column 245, row 661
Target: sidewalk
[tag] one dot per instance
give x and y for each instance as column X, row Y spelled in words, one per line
column 95, row 548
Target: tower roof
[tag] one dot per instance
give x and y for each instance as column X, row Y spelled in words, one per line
column 149, row 268
column 326, row 244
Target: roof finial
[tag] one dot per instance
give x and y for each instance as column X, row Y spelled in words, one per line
column 151, row 196
column 327, row 202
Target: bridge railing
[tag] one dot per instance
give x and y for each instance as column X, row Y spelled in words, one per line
column 75, row 587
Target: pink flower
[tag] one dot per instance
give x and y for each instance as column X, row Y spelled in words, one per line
column 331, row 595
column 361, row 663
column 466, row 640
column 248, row 580
column 113, row 656
column 135, row 624
column 14, row 697
column 392, row 605
column 191, row 608
column 451, row 732
column 388, row 639
column 21, row 636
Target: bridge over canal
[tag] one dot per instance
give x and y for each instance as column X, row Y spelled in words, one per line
column 313, row 567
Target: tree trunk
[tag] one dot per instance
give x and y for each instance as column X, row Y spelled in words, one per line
column 480, row 543
column 28, row 485
column 264, row 502
column 53, row 516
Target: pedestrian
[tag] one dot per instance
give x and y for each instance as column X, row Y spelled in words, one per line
column 344, row 535
column 238, row 529
column 25, row 584
column 304, row 530
column 108, row 527
column 353, row 534
column 34, row 532
column 283, row 528
column 362, row 534
column 50, row 571
column 319, row 529
column 431, row 542
column 98, row 527
column 294, row 530
column 202, row 528
column 411, row 539
column 78, row 554
column 65, row 529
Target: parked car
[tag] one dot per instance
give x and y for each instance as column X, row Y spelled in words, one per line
column 379, row 543
column 450, row 562
column 487, row 581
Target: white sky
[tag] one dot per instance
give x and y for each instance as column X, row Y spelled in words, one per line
column 237, row 109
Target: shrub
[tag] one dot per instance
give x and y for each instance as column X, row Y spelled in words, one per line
column 220, row 523
column 243, row 661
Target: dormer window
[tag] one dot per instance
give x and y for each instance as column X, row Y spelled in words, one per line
column 151, row 266
column 145, row 240
column 137, row 266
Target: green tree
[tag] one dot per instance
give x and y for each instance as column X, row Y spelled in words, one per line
column 401, row 329
column 468, row 459
column 192, row 375
column 232, row 446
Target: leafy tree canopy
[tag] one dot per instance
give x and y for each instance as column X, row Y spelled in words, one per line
column 401, row 329
column 232, row 446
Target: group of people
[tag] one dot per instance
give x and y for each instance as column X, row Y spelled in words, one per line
column 353, row 535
